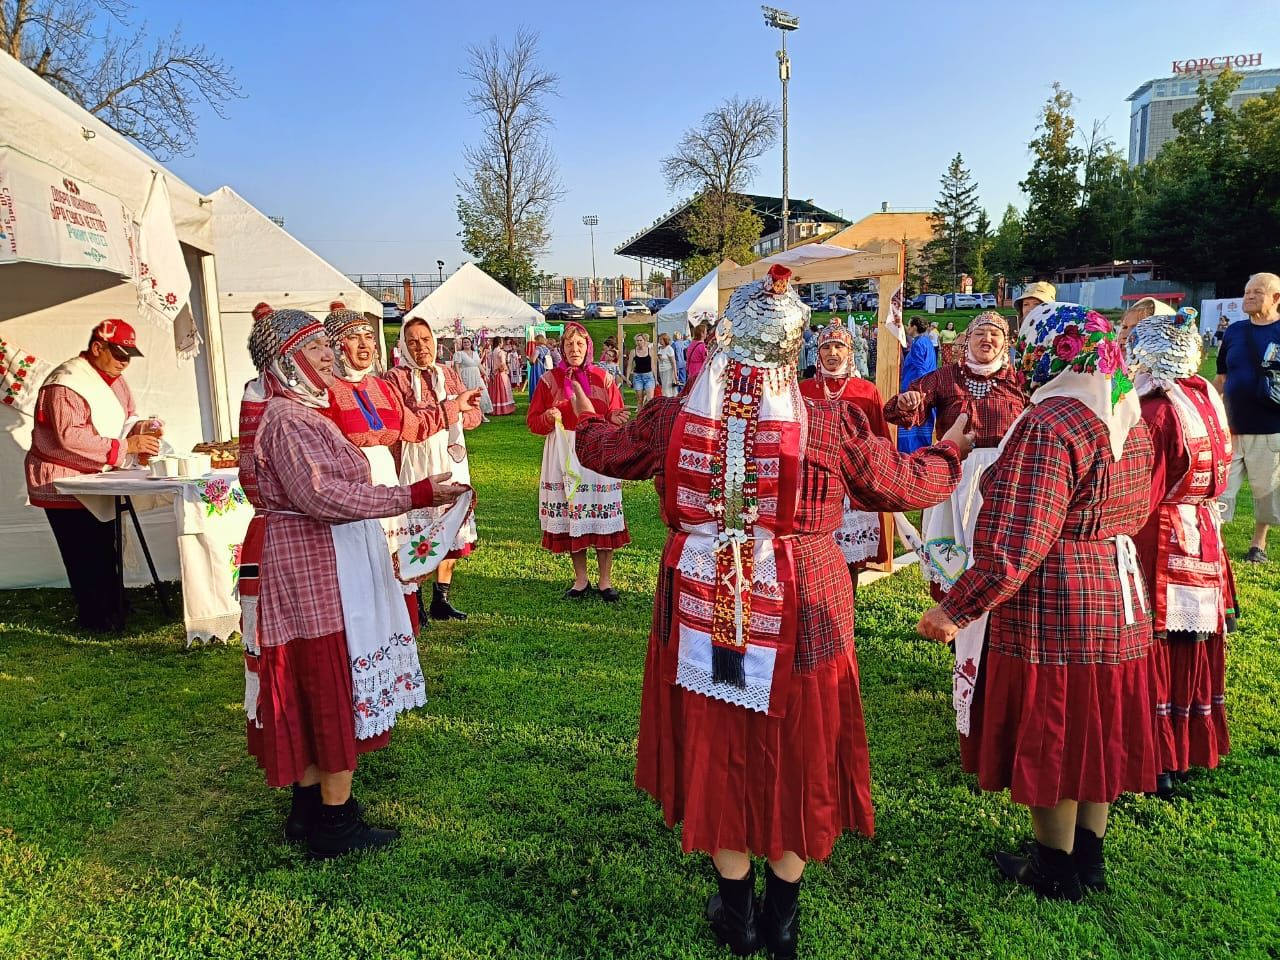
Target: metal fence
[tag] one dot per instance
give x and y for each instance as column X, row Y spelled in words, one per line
column 390, row 288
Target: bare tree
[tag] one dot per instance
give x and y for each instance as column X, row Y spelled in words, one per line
column 511, row 182
column 719, row 156
column 717, row 161
column 148, row 90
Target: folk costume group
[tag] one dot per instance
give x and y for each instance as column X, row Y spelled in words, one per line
column 1071, row 541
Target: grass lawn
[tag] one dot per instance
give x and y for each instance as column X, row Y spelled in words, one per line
column 133, row 824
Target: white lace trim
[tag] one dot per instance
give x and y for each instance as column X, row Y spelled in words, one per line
column 859, row 535
column 693, row 672
column 1192, row 609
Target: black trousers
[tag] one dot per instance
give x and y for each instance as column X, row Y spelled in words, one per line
column 88, row 548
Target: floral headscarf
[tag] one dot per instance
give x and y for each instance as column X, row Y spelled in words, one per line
column 1069, row 350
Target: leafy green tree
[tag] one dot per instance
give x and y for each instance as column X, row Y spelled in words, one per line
column 1211, row 207
column 1052, row 187
column 951, row 249
column 719, row 227
column 1005, row 256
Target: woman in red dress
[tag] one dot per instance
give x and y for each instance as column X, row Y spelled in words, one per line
column 863, row 536
column 751, row 728
column 577, row 507
column 370, row 414
column 1062, row 709
column 1188, row 574
column 499, row 374
column 336, row 660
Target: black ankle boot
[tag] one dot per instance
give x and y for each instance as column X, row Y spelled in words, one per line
column 342, row 829
column 1087, row 854
column 441, row 608
column 1050, row 873
column 303, row 812
column 732, row 914
column 1164, row 787
column 780, row 915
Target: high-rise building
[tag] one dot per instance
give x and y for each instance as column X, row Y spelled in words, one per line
column 1154, row 104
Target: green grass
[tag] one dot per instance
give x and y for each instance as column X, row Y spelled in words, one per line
column 133, row 825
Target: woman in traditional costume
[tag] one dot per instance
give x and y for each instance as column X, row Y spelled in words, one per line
column 1062, row 707
column 337, row 658
column 499, row 373
column 695, row 357
column 920, row 359
column 436, row 395
column 539, row 359
column 369, row 412
column 466, row 363
column 1188, row 574
column 751, row 728
column 515, row 364
column 864, row 536
column 577, row 507
column 988, row 390
column 860, row 348
column 666, row 366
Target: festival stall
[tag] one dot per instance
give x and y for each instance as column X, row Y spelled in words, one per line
column 473, row 302
column 697, row 305
column 91, row 227
column 258, row 261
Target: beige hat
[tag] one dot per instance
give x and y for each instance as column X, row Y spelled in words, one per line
column 1160, row 308
column 1041, row 290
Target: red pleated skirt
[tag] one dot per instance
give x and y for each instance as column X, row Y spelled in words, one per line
column 1191, row 713
column 741, row 780
column 305, row 711
column 564, row 543
column 1049, row 732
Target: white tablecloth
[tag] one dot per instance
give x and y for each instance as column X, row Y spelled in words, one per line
column 212, row 515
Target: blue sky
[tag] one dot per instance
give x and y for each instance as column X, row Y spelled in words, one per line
column 354, row 118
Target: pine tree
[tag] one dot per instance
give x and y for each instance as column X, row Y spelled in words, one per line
column 1052, row 187
column 1005, row 256
column 950, row 251
column 978, row 261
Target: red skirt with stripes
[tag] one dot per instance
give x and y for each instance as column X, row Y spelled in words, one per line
column 305, row 711
column 565, row 543
column 1191, row 712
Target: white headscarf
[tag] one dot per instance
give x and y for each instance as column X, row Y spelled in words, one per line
column 427, row 371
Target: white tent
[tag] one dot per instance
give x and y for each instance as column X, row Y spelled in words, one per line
column 695, row 306
column 259, row 262
column 48, row 306
column 474, row 302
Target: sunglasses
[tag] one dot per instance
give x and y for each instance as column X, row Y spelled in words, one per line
column 120, row 354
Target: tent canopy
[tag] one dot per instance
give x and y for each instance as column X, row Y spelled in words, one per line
column 697, row 305
column 473, row 301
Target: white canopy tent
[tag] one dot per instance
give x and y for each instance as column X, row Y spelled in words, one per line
column 471, row 301
column 697, row 305
column 48, row 305
column 259, row 262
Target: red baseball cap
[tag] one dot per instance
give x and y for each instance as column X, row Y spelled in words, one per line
column 119, row 334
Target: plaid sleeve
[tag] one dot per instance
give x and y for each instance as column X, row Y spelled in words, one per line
column 1026, row 496
column 633, row 451
column 878, row 477
column 302, row 455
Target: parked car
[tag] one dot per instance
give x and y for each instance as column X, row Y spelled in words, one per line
column 391, row 310
column 536, row 306
column 656, row 303
column 917, row 302
column 986, row 301
column 565, row 311
column 601, row 310
column 625, row 308
column 814, row 303
column 871, row 301
column 960, row 301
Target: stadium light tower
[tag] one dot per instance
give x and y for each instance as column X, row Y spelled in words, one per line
column 785, row 23
column 591, row 222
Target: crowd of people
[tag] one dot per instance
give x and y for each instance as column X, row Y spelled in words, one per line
column 1073, row 476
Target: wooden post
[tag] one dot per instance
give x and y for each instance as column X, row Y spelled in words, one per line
column 888, row 349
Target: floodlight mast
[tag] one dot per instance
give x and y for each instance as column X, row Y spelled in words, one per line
column 784, row 22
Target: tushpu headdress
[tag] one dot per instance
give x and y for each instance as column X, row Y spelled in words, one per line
column 281, row 337
column 1164, row 349
column 341, row 323
column 734, row 468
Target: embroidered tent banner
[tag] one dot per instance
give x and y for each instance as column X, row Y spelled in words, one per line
column 21, row 374
column 428, row 538
column 48, row 217
column 164, row 286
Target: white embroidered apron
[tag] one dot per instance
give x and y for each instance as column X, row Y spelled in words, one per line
column 572, row 499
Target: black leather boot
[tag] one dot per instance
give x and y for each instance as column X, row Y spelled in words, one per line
column 1090, row 866
column 732, row 914
column 780, row 915
column 303, row 813
column 441, row 608
column 341, row 829
column 1050, row 873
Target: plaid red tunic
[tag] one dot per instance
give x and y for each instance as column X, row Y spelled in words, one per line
column 309, row 478
column 428, row 416
column 842, row 455
column 1043, row 561
column 946, row 394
